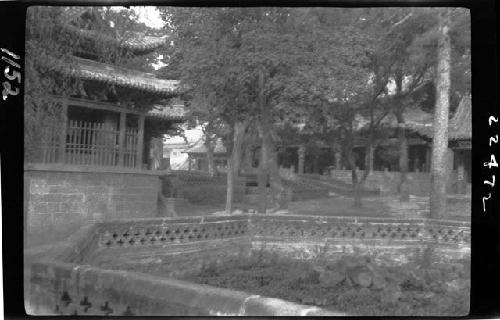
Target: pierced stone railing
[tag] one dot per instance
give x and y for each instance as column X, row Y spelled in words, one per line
column 363, row 228
column 96, row 272
column 172, row 231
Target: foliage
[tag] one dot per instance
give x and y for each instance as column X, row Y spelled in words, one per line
column 50, row 42
column 43, row 40
column 392, row 290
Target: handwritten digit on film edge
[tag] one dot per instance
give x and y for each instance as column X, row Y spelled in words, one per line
column 494, row 139
column 12, row 63
column 7, row 89
column 484, row 203
column 13, row 55
column 492, row 182
column 492, row 119
column 15, row 75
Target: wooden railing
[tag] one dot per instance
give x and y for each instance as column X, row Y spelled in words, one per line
column 90, row 143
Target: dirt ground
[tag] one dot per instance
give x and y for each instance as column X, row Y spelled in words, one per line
column 459, row 208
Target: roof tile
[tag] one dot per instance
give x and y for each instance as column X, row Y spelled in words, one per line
column 106, row 73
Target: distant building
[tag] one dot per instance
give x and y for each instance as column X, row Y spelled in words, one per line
column 197, row 156
column 419, row 124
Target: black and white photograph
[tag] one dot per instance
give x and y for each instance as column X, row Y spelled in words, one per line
column 246, row 161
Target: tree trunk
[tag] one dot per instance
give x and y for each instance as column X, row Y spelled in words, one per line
column 234, row 163
column 359, row 182
column 369, row 157
column 263, row 173
column 268, row 169
column 355, row 183
column 277, row 190
column 301, row 153
column 209, row 144
column 404, row 191
column 358, row 199
column 440, row 139
column 338, row 155
column 247, row 158
column 403, row 188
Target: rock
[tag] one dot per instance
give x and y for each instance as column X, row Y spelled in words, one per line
column 443, row 302
column 308, row 300
column 329, row 278
column 361, row 276
column 391, row 294
column 448, row 276
column 309, row 276
column 364, row 292
column 321, row 301
column 433, row 275
column 456, row 285
column 378, row 282
column 351, row 261
column 348, row 281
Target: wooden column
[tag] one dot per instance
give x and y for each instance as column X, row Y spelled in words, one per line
column 428, row 153
column 121, row 138
column 449, row 160
column 302, row 155
column 461, row 180
column 338, row 156
column 140, row 142
column 369, row 151
column 62, row 134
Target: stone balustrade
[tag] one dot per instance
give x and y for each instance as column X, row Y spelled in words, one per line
column 98, row 271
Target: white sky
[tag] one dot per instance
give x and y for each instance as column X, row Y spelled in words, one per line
column 150, row 16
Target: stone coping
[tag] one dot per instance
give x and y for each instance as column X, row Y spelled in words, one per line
column 66, row 270
column 55, row 167
column 258, row 216
column 126, row 290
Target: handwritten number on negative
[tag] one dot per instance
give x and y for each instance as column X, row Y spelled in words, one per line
column 7, row 90
column 492, row 163
column 484, row 201
column 15, row 74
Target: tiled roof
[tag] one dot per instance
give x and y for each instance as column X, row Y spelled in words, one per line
column 199, row 147
column 175, row 112
column 414, row 116
column 109, row 74
column 459, row 127
column 134, row 41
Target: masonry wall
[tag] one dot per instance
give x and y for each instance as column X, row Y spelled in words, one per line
column 201, row 189
column 387, row 181
column 57, row 202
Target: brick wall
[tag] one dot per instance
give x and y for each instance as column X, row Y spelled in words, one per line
column 58, row 202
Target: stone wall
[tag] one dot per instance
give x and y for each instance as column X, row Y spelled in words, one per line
column 105, row 281
column 58, row 201
column 65, row 289
column 96, row 274
column 387, row 181
column 174, row 247
column 387, row 239
column 201, row 189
